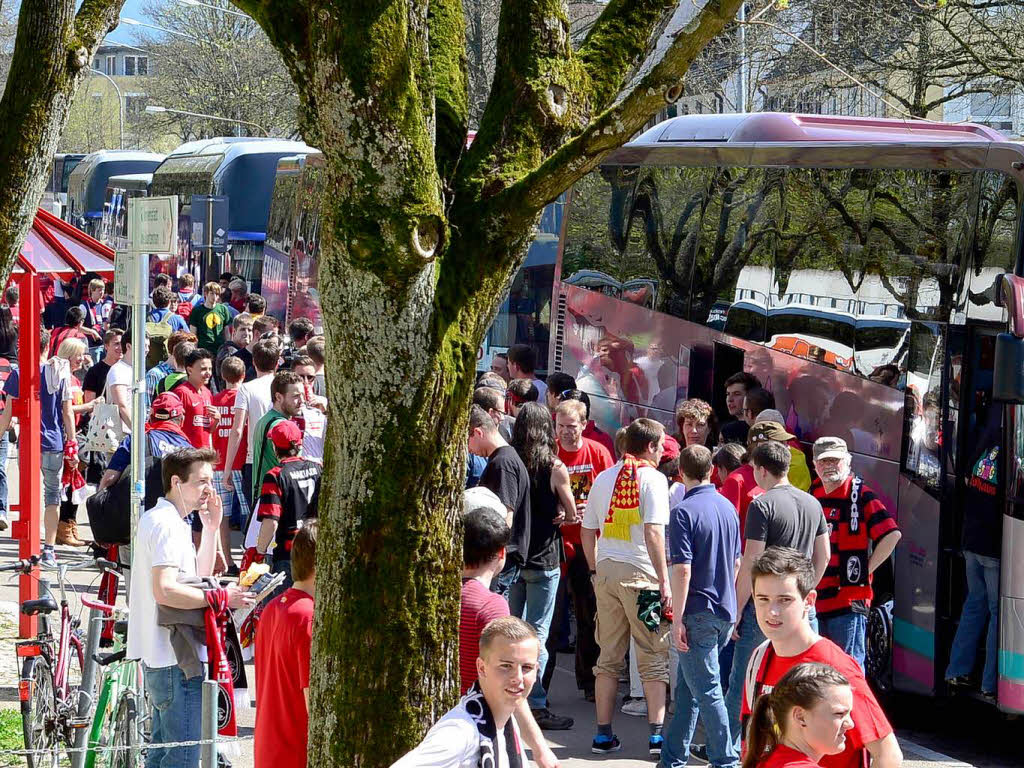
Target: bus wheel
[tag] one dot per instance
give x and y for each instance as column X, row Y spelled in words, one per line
column 878, row 662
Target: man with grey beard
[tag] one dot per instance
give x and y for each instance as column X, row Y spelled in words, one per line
column 863, row 535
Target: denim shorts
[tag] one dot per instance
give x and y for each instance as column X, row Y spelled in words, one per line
column 53, row 468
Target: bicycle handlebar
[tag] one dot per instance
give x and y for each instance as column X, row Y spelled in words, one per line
column 25, row 566
column 110, row 658
column 107, row 610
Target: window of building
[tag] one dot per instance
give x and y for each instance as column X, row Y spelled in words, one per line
column 134, row 103
column 136, row 65
column 111, row 65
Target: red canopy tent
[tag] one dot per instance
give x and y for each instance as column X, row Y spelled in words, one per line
column 53, row 247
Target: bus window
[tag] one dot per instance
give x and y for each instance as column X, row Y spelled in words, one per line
column 994, row 243
column 925, row 443
column 595, row 236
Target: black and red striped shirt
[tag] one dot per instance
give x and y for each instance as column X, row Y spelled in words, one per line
column 289, row 494
column 857, row 520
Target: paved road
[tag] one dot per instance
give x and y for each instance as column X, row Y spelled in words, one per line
column 933, row 733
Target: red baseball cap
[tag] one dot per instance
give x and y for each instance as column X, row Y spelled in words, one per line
column 671, row 449
column 285, row 434
column 166, row 406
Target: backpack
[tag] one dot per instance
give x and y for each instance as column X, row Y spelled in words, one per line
column 158, row 333
column 185, row 306
column 120, row 317
column 168, row 382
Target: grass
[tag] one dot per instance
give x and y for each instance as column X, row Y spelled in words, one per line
column 10, row 737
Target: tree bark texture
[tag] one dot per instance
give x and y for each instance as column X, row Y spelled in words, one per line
column 420, row 238
column 52, row 53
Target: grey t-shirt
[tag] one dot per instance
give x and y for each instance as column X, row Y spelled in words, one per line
column 785, row 517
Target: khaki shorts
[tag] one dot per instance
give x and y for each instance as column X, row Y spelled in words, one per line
column 617, row 586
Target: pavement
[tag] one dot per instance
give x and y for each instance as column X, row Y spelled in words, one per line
column 925, row 741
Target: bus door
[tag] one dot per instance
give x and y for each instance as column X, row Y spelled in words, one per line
column 972, row 514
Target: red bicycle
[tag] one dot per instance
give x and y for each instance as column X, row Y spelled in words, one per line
column 52, row 664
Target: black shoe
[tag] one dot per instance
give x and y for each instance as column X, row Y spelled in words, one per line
column 232, row 572
column 602, row 745
column 549, row 721
column 588, row 695
column 700, row 751
column 962, row 680
column 989, row 696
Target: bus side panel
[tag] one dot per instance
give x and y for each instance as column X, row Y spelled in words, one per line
column 917, row 559
column 1011, row 617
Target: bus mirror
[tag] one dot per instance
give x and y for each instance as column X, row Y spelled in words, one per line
column 1008, row 377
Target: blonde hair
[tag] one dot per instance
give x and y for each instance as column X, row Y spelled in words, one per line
column 509, row 628
column 71, row 347
column 575, row 408
column 97, row 283
column 212, row 287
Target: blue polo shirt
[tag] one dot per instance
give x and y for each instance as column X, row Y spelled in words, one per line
column 704, row 533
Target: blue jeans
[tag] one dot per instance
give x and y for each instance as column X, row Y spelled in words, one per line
column 5, row 447
column 532, row 598
column 699, row 692
column 177, row 716
column 750, row 637
column 981, row 610
column 502, row 583
column 850, row 632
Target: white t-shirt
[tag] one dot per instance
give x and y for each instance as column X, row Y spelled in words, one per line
column 313, row 434
column 254, row 398
column 120, row 373
column 653, row 510
column 163, row 538
column 454, row 742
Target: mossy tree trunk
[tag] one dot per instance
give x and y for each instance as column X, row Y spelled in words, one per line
column 52, row 52
column 420, row 239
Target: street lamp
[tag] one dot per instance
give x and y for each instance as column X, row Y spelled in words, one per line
column 120, row 103
column 197, row 4
column 137, row 23
column 153, row 109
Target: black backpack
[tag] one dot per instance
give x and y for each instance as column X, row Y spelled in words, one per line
column 109, row 510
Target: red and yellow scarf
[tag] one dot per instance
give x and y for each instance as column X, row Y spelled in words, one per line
column 624, row 511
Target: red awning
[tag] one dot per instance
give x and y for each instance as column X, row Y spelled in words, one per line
column 54, row 246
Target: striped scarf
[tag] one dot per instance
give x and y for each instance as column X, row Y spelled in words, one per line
column 624, row 510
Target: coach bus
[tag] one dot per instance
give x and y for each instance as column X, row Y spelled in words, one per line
column 240, row 170
column 114, row 223
column 87, row 184
column 55, row 197
column 854, row 266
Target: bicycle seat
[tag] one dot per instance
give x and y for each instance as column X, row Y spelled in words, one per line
column 42, row 605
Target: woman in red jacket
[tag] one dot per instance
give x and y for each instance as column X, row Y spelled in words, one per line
column 805, row 717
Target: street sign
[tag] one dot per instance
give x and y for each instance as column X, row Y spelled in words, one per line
column 153, row 224
column 127, row 273
column 209, row 215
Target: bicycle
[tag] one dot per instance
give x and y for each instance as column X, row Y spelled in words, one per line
column 49, row 687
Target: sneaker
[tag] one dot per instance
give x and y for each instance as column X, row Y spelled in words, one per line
column 963, row 680
column 549, row 721
column 700, row 751
column 48, row 559
column 635, row 707
column 604, row 744
column 654, row 745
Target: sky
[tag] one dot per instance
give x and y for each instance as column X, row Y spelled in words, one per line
column 124, row 33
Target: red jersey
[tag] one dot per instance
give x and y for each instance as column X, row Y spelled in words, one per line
column 197, row 425
column 857, row 520
column 766, row 668
column 739, row 488
column 282, row 667
column 479, row 607
column 786, row 757
column 591, row 432
column 584, row 465
column 224, row 402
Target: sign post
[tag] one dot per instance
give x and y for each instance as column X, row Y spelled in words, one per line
column 152, row 228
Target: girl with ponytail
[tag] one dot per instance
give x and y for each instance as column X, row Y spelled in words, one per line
column 805, row 717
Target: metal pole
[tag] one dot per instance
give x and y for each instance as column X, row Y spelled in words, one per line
column 92, row 646
column 120, row 103
column 139, row 309
column 26, row 529
column 208, row 245
column 208, row 751
column 741, row 102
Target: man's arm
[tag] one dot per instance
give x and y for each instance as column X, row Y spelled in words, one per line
column 170, row 592
column 680, row 590
column 885, row 752
column 268, row 530
column 882, row 550
column 210, row 513
column 534, row 738
column 820, row 558
column 6, row 416
column 110, row 477
column 67, row 411
column 119, row 395
column 235, row 437
column 588, row 538
column 751, row 552
column 654, row 537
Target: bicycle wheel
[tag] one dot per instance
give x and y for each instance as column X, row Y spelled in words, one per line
column 125, row 734
column 39, row 715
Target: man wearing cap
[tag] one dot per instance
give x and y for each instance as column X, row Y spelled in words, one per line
column 782, row 516
column 863, row 535
column 289, row 494
column 799, row 472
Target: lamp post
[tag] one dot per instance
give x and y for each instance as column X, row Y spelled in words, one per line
column 137, row 23
column 120, row 103
column 153, row 109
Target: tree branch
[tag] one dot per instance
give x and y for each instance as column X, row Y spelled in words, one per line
column 447, row 25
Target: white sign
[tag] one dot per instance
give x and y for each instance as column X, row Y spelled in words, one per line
column 127, row 276
column 153, row 224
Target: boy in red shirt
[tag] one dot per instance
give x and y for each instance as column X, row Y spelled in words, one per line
column 783, row 593
column 282, row 662
column 200, row 415
column 232, row 371
column 585, row 459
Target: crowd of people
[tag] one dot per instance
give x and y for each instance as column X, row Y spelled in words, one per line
column 718, row 570
column 234, row 440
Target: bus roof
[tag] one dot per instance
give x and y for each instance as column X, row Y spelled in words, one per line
column 130, row 180
column 87, row 185
column 235, row 146
column 779, row 127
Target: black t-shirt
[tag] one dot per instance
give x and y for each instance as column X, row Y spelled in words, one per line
column 290, row 494
column 545, row 536
column 230, row 349
column 96, row 378
column 506, row 475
